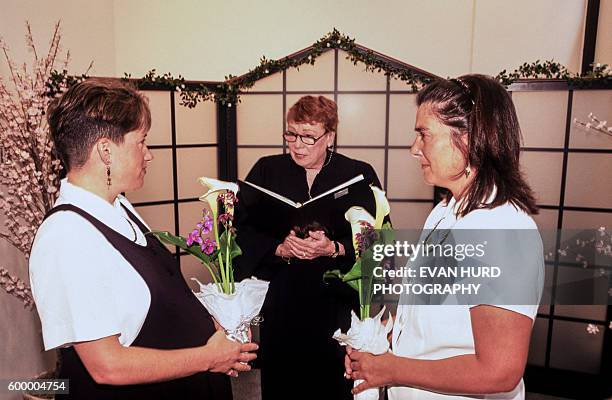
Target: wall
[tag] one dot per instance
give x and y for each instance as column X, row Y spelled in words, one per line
column 603, row 48
column 208, row 40
column 88, row 32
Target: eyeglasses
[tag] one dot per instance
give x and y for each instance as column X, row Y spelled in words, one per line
column 291, row 137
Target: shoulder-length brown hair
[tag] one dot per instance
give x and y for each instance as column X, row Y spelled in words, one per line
column 479, row 106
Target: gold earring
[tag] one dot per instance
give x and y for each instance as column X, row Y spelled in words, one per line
column 108, row 177
column 467, row 171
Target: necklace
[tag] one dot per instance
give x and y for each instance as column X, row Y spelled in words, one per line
column 448, row 230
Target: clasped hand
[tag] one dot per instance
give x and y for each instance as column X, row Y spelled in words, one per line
column 317, row 244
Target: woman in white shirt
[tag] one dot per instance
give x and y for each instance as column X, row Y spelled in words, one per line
column 468, row 141
column 110, row 298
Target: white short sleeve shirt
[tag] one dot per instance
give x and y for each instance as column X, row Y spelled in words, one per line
column 83, row 287
column 433, row 332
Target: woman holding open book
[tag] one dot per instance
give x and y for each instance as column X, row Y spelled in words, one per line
column 292, row 241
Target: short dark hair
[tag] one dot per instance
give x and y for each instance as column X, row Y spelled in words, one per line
column 479, row 106
column 91, row 110
column 312, row 110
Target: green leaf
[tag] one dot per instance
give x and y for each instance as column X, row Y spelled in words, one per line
column 235, row 250
column 351, row 280
column 194, row 249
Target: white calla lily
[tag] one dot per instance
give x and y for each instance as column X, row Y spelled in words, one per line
column 382, row 206
column 215, row 186
column 355, row 215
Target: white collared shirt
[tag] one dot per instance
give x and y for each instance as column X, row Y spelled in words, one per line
column 433, row 332
column 83, row 287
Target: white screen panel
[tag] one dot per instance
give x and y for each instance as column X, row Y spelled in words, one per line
column 248, row 157
column 586, row 220
column 260, row 119
column 542, row 116
column 313, row 77
column 543, row 173
column 374, row 157
column 588, row 180
column 398, row 84
column 407, row 215
column 158, row 217
column 196, row 125
column 161, row 123
column 598, row 102
column 355, row 77
column 193, row 163
column 362, row 119
column 272, row 83
column 402, row 116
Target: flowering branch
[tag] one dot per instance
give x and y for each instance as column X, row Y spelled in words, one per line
column 595, row 125
column 29, row 178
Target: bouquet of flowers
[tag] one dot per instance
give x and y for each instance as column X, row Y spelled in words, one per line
column 235, row 306
column 366, row 333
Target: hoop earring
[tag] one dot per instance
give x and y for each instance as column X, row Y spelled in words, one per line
column 108, row 177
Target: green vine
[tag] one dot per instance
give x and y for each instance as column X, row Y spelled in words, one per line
column 228, row 92
column 190, row 94
column 553, row 70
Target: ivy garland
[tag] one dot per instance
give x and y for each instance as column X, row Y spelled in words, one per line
column 228, row 92
column 553, row 70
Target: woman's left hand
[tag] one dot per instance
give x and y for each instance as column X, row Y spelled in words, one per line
column 317, row 244
column 375, row 371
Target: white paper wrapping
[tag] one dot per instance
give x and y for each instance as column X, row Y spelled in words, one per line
column 368, row 336
column 234, row 312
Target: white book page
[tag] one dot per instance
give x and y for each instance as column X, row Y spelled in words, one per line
column 335, row 189
column 275, row 195
column 298, row 205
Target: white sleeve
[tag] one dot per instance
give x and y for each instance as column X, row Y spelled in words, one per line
column 71, row 276
column 519, row 256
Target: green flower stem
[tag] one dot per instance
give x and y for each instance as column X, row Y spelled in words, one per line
column 228, row 265
column 214, row 276
column 221, row 266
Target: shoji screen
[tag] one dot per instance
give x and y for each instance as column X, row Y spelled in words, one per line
column 376, row 125
column 570, row 169
column 184, row 145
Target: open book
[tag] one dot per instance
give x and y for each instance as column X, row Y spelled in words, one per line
column 277, row 215
column 337, row 190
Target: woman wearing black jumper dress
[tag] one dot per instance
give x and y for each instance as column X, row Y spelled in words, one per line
column 112, row 299
column 298, row 357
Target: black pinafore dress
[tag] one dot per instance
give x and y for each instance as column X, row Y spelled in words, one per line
column 176, row 319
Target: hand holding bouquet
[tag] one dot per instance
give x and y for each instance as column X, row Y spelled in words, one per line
column 235, row 306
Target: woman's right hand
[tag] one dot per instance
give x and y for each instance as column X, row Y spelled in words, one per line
column 227, row 356
column 283, row 249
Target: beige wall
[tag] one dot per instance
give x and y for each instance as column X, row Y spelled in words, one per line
column 87, row 27
column 208, row 40
column 603, row 49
